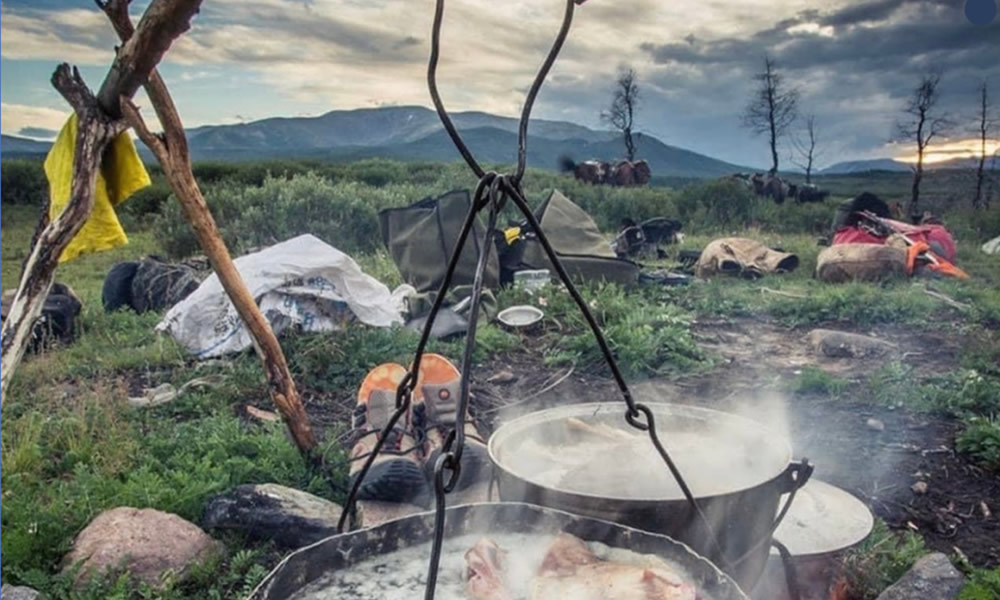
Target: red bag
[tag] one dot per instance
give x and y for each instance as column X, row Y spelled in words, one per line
column 936, row 236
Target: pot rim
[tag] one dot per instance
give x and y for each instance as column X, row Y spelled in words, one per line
column 570, row 410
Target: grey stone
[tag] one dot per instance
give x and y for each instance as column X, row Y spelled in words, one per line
column 17, row 592
column 933, row 577
column 841, row 344
column 152, row 545
column 289, row 517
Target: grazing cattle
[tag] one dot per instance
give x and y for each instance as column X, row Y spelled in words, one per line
column 778, row 189
column 620, row 173
column 811, row 193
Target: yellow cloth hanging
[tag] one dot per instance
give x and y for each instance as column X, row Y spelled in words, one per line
column 121, row 175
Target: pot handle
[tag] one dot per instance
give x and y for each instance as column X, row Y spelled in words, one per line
column 792, row 480
column 796, row 475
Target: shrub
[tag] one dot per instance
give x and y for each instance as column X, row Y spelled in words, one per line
column 817, row 381
column 23, row 182
column 342, row 214
column 981, row 440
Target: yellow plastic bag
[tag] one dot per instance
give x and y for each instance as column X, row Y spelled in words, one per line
column 121, row 175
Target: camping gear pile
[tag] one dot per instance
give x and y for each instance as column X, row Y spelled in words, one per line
column 56, row 324
column 868, row 245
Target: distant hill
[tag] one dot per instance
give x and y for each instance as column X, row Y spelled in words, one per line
column 414, row 133
column 888, row 164
column 13, row 146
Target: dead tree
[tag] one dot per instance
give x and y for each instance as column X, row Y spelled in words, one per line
column 806, row 148
column 621, row 114
column 171, row 150
column 99, row 122
column 985, row 130
column 921, row 124
column 772, row 108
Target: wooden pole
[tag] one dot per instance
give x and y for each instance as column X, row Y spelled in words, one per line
column 98, row 125
column 171, row 150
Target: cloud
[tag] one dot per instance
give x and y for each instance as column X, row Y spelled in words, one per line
column 15, row 118
column 853, row 60
column 38, row 132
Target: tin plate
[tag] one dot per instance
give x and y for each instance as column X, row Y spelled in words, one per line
column 823, row 519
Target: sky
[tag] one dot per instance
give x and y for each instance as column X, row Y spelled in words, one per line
column 854, row 62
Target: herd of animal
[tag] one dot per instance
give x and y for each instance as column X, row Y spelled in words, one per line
column 623, row 173
column 618, row 173
column 778, row 189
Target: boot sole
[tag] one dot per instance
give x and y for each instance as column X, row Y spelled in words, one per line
column 400, row 480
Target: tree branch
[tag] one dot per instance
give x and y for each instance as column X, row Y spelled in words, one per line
column 171, row 150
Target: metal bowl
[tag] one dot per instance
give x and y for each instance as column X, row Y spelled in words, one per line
column 303, row 574
column 520, row 317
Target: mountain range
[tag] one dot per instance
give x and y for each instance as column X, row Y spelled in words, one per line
column 414, row 133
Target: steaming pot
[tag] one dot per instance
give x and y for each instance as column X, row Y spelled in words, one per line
column 741, row 504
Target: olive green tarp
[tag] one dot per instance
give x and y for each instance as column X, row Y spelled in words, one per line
column 584, row 252
column 421, row 239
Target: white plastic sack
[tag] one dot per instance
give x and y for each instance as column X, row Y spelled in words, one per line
column 992, row 246
column 301, row 282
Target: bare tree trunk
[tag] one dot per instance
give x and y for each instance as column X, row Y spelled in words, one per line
column 171, row 150
column 984, row 126
column 774, row 150
column 629, row 145
column 98, row 124
column 918, row 175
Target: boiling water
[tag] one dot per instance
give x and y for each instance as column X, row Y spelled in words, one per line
column 629, row 466
column 402, row 575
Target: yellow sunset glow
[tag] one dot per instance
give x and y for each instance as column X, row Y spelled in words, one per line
column 942, row 152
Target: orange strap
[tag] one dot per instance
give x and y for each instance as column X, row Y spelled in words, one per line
column 936, row 264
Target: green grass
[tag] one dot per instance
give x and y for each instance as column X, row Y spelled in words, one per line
column 73, row 447
column 881, row 560
column 816, row 381
column 983, row 584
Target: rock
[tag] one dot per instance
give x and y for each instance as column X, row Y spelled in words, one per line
column 151, row 544
column 840, row 344
column 933, row 577
column 919, row 488
column 503, row 377
column 875, row 424
column 17, row 592
column 289, row 517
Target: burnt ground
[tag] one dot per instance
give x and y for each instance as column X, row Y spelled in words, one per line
column 759, row 360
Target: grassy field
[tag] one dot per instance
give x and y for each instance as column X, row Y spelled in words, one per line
column 72, row 446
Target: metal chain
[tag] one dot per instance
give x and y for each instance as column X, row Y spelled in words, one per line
column 491, row 191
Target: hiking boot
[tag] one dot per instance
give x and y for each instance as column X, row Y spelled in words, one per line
column 435, row 411
column 396, row 475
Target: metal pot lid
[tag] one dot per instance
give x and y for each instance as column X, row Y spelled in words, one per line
column 823, row 519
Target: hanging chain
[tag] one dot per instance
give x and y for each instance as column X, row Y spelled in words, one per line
column 491, row 192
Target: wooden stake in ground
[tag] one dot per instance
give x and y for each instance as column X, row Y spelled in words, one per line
column 98, row 125
column 171, row 150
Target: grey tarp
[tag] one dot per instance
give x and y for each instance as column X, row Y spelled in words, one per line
column 582, row 249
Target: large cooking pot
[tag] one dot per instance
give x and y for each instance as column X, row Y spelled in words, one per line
column 736, row 469
column 308, row 573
